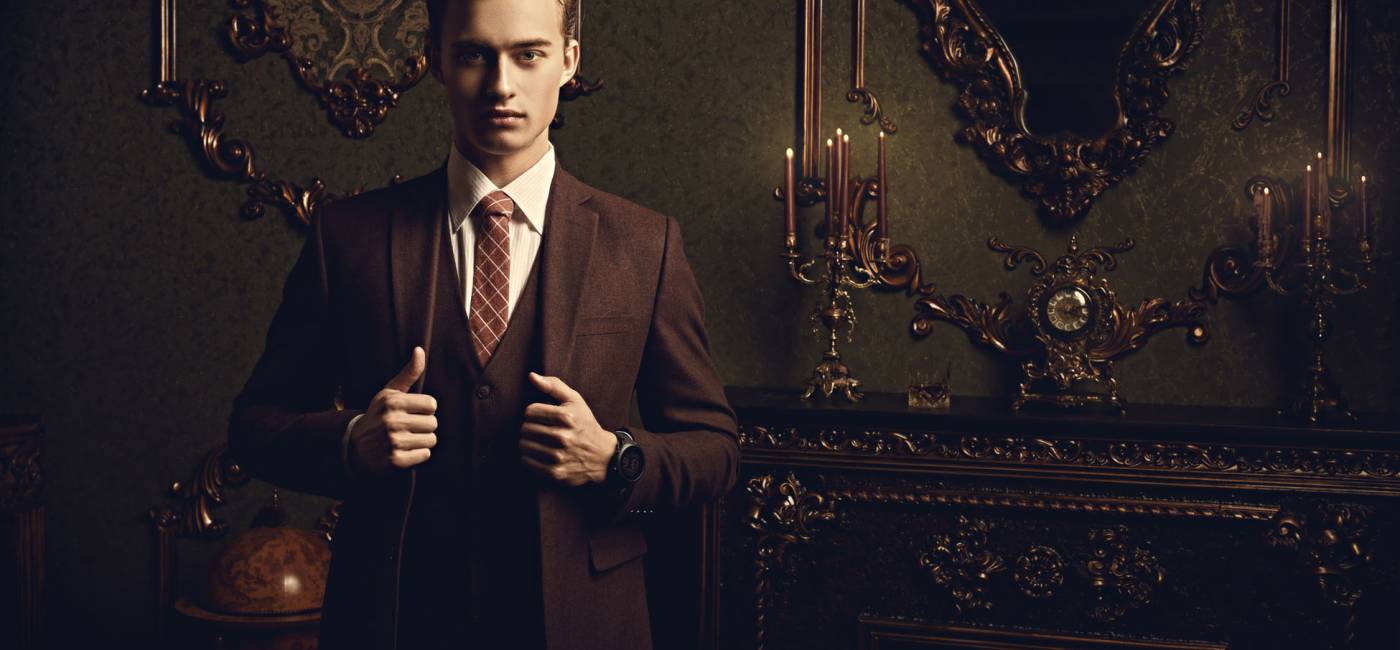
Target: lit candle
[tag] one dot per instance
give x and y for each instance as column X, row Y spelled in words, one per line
column 839, row 187
column 1309, row 186
column 1365, row 213
column 789, row 200
column 830, row 189
column 847, row 205
column 1261, row 212
column 881, row 224
column 1324, row 208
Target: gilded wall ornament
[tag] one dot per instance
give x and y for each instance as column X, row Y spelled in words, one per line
column 356, row 56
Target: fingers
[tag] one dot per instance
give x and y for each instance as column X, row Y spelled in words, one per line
column 411, row 371
column 549, row 414
column 413, row 403
column 411, row 441
column 402, row 459
column 543, row 434
column 545, row 454
column 554, row 387
column 408, row 423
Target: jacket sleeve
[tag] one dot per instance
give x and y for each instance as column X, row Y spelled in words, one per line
column 690, row 438
column 284, row 427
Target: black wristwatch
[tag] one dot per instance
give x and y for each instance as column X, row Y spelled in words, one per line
column 627, row 460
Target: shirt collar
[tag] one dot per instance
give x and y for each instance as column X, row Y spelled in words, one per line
column 466, row 185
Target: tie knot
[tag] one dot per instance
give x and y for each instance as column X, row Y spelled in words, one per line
column 496, row 204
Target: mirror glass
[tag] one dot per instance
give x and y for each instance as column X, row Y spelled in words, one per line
column 1068, row 54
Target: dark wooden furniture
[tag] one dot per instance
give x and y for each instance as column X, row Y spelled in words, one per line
column 22, row 548
column 879, row 526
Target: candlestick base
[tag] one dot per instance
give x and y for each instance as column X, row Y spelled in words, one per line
column 1323, row 401
column 831, row 378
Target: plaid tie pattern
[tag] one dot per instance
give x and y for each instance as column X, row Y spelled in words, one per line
column 491, row 273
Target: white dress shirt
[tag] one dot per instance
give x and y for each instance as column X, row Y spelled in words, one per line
column 466, row 185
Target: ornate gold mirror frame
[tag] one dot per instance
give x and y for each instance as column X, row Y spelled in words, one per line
column 1065, row 172
column 356, row 105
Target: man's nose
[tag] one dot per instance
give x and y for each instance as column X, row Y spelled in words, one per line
column 500, row 82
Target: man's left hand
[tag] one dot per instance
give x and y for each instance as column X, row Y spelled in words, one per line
column 563, row 442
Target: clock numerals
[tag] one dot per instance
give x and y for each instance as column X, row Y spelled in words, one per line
column 1069, row 310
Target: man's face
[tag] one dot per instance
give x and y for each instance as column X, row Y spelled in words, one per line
column 502, row 63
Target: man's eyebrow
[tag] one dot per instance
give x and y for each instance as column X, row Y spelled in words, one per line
column 471, row 43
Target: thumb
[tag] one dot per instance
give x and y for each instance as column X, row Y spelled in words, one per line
column 403, row 381
column 554, row 387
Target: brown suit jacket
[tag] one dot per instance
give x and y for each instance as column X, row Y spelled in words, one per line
column 620, row 311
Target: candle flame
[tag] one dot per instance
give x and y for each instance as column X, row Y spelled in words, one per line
column 846, row 138
column 1319, row 155
column 828, row 143
column 789, row 152
column 1363, row 178
column 1266, row 190
column 1309, row 166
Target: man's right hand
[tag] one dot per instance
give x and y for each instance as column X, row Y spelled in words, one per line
column 398, row 429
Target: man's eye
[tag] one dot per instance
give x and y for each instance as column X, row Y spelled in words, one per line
column 469, row 57
column 529, row 55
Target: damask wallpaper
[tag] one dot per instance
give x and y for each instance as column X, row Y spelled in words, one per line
column 135, row 296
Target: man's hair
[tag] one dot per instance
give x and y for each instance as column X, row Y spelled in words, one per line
column 568, row 20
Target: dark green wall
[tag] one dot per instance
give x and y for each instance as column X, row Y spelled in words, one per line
column 134, row 299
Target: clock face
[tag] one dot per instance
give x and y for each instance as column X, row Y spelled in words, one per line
column 1069, row 309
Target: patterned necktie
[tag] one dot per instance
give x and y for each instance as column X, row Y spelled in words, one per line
column 491, row 273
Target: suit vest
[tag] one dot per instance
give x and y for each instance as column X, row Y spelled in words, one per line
column 471, row 554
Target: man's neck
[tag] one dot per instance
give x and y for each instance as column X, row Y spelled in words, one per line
column 501, row 170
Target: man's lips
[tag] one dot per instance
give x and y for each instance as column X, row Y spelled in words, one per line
column 502, row 117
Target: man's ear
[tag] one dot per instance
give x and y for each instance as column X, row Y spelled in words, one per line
column 571, row 59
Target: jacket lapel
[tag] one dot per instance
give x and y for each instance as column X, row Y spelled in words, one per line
column 569, row 230
column 415, row 242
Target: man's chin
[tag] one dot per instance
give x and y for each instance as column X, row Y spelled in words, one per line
column 502, row 143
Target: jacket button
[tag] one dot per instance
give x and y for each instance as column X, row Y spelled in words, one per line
column 483, row 392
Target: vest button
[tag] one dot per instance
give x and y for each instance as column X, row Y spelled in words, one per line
column 483, row 392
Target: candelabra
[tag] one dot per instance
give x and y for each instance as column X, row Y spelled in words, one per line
column 848, row 260
column 1301, row 261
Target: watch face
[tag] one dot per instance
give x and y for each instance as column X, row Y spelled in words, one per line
column 1068, row 310
column 630, row 464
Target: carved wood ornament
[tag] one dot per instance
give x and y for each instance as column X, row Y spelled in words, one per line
column 356, row 104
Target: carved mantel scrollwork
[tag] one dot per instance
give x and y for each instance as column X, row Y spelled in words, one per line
column 21, row 472
column 1123, row 574
column 1039, row 571
column 783, row 513
column 1065, row 172
column 1378, row 471
column 1334, row 541
column 962, row 564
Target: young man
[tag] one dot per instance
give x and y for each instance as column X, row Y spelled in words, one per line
column 485, row 327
